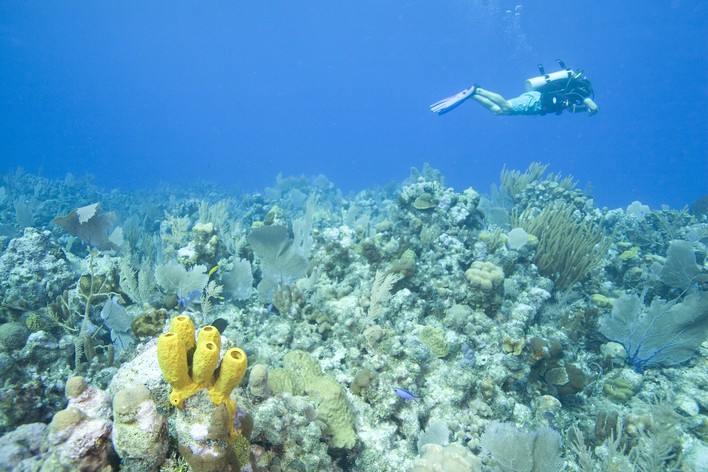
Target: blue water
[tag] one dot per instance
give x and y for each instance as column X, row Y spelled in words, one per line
column 138, row 93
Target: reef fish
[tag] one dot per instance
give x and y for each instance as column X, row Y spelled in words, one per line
column 405, row 394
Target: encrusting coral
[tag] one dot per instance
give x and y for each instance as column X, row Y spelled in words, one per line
column 140, row 435
column 79, row 436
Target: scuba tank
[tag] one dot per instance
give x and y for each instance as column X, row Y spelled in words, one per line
column 559, row 77
column 551, row 82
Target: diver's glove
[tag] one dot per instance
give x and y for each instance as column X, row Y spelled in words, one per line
column 449, row 103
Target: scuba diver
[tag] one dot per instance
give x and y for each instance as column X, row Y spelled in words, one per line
column 556, row 92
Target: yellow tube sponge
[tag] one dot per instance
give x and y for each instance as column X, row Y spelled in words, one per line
column 209, row 334
column 204, row 363
column 172, row 357
column 231, row 372
column 189, row 367
column 183, row 327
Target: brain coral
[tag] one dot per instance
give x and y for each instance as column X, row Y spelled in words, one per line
column 13, row 336
column 484, row 276
column 301, row 374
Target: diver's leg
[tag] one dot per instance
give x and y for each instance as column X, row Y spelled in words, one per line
column 488, row 104
column 492, row 101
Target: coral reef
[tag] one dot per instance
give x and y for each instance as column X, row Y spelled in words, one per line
column 529, row 325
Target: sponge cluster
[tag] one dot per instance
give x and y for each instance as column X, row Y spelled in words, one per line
column 190, row 366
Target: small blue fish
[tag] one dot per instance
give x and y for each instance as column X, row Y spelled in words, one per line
column 188, row 299
column 405, row 394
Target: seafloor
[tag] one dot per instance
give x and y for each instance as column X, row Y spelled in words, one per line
column 405, row 328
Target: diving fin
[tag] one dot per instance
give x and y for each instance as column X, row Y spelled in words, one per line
column 450, row 103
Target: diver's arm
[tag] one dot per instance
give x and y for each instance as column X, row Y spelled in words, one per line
column 591, row 106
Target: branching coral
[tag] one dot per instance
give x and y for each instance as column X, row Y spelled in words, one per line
column 567, row 248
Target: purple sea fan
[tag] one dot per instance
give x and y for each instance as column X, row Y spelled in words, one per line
column 662, row 334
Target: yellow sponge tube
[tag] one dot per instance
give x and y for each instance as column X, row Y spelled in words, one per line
column 172, row 357
column 204, row 363
column 231, row 372
column 209, row 334
column 183, row 327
